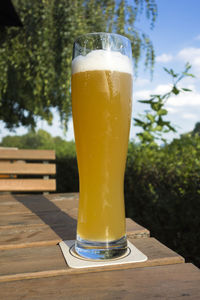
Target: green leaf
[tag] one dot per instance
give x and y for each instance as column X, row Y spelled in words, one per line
column 145, row 101
column 186, row 90
column 171, row 72
column 156, row 106
column 188, row 74
column 175, row 90
column 150, row 117
column 166, row 70
column 158, row 128
column 140, row 123
column 162, row 112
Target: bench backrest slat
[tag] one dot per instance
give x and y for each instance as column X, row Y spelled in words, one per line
column 20, row 169
column 27, row 154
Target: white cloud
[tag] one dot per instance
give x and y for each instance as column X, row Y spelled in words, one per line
column 185, row 100
column 139, row 82
column 189, row 116
column 143, row 94
column 162, row 89
column 191, row 55
column 164, row 58
column 188, row 53
column 172, row 110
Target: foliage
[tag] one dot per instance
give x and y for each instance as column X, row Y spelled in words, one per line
column 162, row 191
column 67, row 179
column 35, row 60
column 153, row 124
column 41, row 140
column 196, row 129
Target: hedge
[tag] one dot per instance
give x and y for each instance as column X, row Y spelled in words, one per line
column 162, row 192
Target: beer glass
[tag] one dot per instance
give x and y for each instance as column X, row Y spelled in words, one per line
column 101, row 109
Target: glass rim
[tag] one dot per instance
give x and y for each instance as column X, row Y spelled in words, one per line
column 103, row 33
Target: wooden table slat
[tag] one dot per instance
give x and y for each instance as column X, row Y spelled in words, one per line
column 22, row 204
column 17, row 264
column 162, row 282
column 61, row 226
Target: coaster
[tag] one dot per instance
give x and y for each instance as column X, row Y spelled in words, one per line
column 133, row 255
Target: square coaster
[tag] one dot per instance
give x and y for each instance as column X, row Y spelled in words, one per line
column 133, row 255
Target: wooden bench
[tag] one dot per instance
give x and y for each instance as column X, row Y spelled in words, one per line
column 27, row 170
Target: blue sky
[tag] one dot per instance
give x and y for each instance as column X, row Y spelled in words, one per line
column 176, row 40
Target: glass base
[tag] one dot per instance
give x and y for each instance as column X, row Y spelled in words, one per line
column 101, row 250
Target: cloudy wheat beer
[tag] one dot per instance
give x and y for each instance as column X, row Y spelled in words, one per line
column 101, row 107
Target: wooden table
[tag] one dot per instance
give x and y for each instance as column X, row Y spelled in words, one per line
column 32, row 265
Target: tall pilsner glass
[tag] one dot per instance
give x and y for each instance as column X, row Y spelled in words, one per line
column 101, row 108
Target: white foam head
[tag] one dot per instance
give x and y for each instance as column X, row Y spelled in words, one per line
column 102, row 60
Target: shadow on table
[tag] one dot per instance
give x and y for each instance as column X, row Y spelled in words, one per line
column 59, row 221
